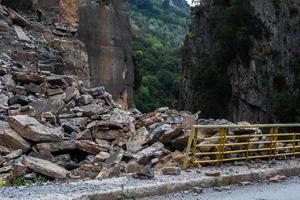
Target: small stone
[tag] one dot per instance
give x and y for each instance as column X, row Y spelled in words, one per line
column 244, row 183
column 162, row 109
column 171, row 171
column 71, row 93
column 14, row 154
column 6, row 169
column 212, row 173
column 277, row 178
column 89, row 147
column 146, row 172
column 115, row 158
column 132, row 167
column 102, row 156
column 4, row 27
column 197, row 190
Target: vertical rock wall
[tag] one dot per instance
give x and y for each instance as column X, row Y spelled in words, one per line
column 106, row 32
column 263, row 89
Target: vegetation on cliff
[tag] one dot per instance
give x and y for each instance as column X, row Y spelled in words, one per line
column 159, row 28
column 241, row 61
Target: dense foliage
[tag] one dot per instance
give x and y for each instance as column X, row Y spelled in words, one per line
column 159, row 28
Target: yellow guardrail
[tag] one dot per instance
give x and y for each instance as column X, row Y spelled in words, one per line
column 215, row 144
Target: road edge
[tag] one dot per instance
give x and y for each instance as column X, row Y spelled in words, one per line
column 163, row 188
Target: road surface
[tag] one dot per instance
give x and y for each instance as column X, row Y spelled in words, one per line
column 287, row 190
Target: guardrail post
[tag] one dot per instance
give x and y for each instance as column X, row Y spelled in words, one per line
column 294, row 144
column 221, row 145
column 248, row 147
column 188, row 148
column 194, row 148
column 276, row 142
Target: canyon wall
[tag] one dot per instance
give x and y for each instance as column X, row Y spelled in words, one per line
column 107, row 34
column 242, row 61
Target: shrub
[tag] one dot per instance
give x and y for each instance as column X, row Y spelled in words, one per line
column 22, row 181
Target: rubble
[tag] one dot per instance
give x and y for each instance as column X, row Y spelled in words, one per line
column 171, row 171
column 33, row 130
column 56, row 125
column 45, row 167
column 12, row 140
column 213, row 173
column 277, row 178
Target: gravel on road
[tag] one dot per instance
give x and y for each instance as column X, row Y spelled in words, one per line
column 75, row 190
column 286, row 190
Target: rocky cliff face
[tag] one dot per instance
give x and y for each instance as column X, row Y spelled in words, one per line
column 104, row 57
column 40, row 35
column 106, row 32
column 241, row 61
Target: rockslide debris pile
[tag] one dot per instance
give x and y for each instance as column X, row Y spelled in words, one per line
column 57, row 126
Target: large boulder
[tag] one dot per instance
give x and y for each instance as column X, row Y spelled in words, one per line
column 31, row 129
column 45, row 167
column 12, row 140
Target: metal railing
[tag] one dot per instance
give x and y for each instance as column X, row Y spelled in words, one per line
column 215, row 144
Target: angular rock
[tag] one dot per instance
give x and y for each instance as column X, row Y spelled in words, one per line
column 121, row 117
column 91, row 109
column 21, row 34
column 146, row 172
column 12, row 140
column 145, row 155
column 133, row 147
column 142, row 135
column 43, row 154
column 132, row 167
column 4, row 150
column 71, row 93
column 107, row 135
column 2, row 160
column 115, row 158
column 20, row 20
column 102, row 156
column 84, row 135
column 6, row 169
column 58, row 146
column 89, row 147
column 169, row 135
column 52, row 92
column 20, row 169
column 158, row 132
column 14, row 154
column 4, row 27
column 42, row 106
column 277, row 178
column 48, row 117
column 26, row 78
column 113, row 171
column 85, row 99
column 45, row 167
column 213, row 173
column 95, row 125
column 181, row 142
column 171, row 171
column 3, row 100
column 31, row 129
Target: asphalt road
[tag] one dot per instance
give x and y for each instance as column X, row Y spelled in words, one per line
column 287, row 190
